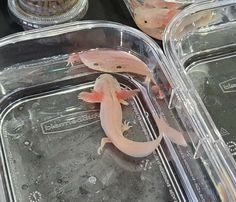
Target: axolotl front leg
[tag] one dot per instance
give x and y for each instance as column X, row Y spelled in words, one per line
column 74, row 57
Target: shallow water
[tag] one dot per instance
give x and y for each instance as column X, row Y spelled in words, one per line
column 50, row 142
column 215, row 82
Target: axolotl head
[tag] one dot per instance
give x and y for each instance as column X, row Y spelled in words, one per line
column 106, row 82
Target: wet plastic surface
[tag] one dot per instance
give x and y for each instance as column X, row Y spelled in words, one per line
column 50, row 142
column 215, row 82
column 40, row 105
column 200, row 44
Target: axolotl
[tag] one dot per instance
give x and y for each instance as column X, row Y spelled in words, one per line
column 153, row 14
column 109, row 93
column 112, row 61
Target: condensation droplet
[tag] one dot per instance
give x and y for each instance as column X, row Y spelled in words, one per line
column 27, row 143
column 59, row 181
column 92, row 179
column 24, row 186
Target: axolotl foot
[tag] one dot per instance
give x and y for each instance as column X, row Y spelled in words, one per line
column 125, row 126
column 104, row 141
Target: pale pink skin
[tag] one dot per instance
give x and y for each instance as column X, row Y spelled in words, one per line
column 115, row 61
column 158, row 92
column 152, row 18
column 72, row 59
column 153, row 15
column 174, row 135
column 106, row 91
column 112, row 61
column 161, row 4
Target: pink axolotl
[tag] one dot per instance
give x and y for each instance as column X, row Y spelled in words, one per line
column 153, row 17
column 108, row 92
column 113, row 61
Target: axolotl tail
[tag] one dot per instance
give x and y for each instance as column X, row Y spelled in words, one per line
column 136, row 149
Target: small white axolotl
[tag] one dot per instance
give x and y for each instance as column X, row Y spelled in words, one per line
column 109, row 93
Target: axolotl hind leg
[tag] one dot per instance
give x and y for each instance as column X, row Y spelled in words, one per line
column 125, row 126
column 104, row 141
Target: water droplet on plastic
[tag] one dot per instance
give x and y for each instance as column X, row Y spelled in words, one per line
column 24, row 186
column 27, row 143
column 59, row 181
column 92, row 179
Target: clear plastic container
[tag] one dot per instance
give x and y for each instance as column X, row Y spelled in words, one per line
column 200, row 44
column 49, row 138
column 40, row 13
column 46, row 8
column 152, row 16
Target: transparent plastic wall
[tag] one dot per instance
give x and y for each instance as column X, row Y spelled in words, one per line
column 200, row 44
column 49, row 138
column 32, row 14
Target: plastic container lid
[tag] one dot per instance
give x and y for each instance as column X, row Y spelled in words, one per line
column 35, row 14
column 46, row 8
